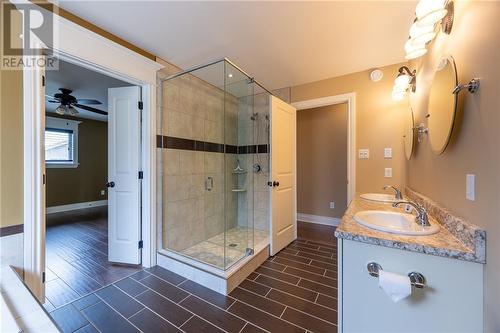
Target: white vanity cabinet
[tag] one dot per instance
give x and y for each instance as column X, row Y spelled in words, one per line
column 452, row 301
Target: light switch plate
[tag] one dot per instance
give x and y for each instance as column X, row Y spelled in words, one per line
column 470, row 187
column 388, row 172
column 387, row 152
column 363, row 154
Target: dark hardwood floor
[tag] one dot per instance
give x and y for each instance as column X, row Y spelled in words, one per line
column 77, row 256
column 294, row 291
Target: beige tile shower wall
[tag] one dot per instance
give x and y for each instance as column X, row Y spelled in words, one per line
column 169, row 69
column 194, row 109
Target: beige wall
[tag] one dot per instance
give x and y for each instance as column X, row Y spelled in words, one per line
column 84, row 183
column 475, row 45
column 11, row 148
column 379, row 123
column 322, row 160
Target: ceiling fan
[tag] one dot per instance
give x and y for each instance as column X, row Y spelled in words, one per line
column 68, row 103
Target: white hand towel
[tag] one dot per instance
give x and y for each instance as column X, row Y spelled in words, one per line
column 396, row 286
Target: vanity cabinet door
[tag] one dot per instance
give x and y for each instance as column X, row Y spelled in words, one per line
column 451, row 302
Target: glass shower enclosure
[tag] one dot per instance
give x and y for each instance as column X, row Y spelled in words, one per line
column 214, row 157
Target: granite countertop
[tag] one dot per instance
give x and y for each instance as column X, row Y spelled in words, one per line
column 449, row 242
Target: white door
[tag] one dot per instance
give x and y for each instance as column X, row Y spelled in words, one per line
column 283, row 181
column 124, row 135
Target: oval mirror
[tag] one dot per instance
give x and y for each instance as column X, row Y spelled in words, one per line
column 442, row 104
column 409, row 134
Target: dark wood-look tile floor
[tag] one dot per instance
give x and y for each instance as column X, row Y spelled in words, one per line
column 294, row 291
column 77, row 256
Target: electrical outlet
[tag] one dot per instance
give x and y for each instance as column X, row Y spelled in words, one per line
column 332, row 205
column 103, row 192
column 363, row 154
column 388, row 172
column 387, row 152
column 470, row 187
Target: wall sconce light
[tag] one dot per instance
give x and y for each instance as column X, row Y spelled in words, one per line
column 405, row 81
column 429, row 14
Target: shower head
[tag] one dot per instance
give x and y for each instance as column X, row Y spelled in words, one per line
column 254, row 116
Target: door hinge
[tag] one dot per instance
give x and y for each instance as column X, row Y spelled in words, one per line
column 141, row 175
column 141, row 244
column 43, row 179
column 43, row 277
column 43, row 80
column 141, row 105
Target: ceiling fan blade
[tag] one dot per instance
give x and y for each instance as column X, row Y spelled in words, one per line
column 52, row 99
column 91, row 109
column 88, row 101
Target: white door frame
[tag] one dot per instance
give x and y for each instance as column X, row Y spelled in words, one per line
column 87, row 49
column 350, row 99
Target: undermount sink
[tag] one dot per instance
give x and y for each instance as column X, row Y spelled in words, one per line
column 380, row 197
column 394, row 223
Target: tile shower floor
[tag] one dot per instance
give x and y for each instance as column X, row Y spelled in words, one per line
column 237, row 241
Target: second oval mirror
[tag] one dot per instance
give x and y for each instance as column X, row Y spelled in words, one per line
column 442, row 105
column 409, row 134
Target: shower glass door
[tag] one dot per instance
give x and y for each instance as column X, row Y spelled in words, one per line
column 207, row 153
column 239, row 176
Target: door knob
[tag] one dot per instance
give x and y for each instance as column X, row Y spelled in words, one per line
column 273, row 184
column 110, row 184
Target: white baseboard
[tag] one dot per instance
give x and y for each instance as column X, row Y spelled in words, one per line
column 326, row 220
column 75, row 206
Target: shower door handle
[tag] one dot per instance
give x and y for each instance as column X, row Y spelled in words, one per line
column 209, row 184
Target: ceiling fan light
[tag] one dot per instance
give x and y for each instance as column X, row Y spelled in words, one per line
column 60, row 110
column 72, row 111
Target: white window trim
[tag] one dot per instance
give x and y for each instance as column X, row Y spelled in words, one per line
column 64, row 124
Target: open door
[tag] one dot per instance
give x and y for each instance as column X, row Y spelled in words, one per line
column 283, row 181
column 124, row 185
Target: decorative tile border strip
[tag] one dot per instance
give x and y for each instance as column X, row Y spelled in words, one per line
column 471, row 235
column 189, row 144
column 11, row 230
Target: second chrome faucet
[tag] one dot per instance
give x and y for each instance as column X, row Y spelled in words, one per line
column 422, row 218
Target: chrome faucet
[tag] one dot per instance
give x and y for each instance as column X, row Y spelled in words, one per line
column 422, row 218
column 398, row 194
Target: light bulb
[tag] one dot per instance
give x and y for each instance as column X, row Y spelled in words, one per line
column 398, row 95
column 60, row 110
column 402, row 81
column 415, row 54
column 72, row 111
column 429, row 12
column 421, row 35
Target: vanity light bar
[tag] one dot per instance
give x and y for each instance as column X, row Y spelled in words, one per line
column 429, row 14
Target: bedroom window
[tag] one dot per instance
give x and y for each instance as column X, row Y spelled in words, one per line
column 61, row 143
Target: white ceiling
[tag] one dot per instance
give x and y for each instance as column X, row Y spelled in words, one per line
column 84, row 83
column 281, row 43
